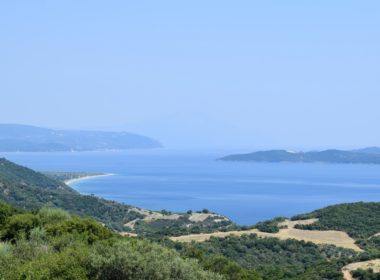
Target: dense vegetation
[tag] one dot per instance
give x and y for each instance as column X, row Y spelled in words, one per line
column 360, row 220
column 52, row 244
column 331, row 156
column 271, row 258
column 368, row 274
column 182, row 226
column 27, row 189
column 270, row 226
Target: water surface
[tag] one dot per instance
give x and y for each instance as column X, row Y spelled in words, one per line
column 182, row 180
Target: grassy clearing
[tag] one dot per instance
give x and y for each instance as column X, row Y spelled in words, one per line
column 337, row 238
column 372, row 264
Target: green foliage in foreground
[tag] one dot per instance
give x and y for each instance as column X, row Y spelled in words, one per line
column 51, row 244
column 271, row 258
column 361, row 274
column 360, row 220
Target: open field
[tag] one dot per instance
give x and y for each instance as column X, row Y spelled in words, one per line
column 337, row 238
column 374, row 264
column 152, row 216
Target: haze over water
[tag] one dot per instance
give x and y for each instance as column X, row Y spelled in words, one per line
column 179, row 180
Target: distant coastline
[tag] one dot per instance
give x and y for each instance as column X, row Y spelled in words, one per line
column 362, row 156
column 71, row 182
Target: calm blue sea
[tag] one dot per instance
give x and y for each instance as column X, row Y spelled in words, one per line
column 182, row 180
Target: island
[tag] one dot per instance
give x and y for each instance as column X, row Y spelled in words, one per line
column 362, row 156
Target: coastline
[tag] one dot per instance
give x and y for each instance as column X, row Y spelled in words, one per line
column 71, row 182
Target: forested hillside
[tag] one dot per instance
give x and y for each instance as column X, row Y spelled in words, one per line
column 272, row 258
column 52, row 244
column 359, row 220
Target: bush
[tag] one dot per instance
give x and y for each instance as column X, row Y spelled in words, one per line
column 142, row 260
column 53, row 215
column 66, row 265
column 19, row 226
column 86, row 229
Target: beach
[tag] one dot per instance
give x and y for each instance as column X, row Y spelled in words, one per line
column 73, row 181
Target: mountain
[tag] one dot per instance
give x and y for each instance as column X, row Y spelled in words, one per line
column 328, row 156
column 369, row 150
column 25, row 138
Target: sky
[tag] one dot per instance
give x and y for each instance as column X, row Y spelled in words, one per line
column 296, row 74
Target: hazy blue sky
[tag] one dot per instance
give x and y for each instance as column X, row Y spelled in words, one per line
column 285, row 73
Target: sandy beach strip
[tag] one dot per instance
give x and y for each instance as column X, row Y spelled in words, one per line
column 71, row 182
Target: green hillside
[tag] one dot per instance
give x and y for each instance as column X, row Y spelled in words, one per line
column 52, row 244
column 27, row 189
column 359, row 220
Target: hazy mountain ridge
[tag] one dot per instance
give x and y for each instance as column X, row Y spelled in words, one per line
column 364, row 156
column 25, row 138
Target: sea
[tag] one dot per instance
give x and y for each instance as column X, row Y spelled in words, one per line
column 181, row 180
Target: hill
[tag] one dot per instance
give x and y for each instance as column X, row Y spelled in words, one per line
column 27, row 189
column 369, row 150
column 328, row 156
column 360, row 220
column 14, row 137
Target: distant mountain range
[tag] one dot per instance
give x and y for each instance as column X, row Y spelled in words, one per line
column 364, row 156
column 25, row 138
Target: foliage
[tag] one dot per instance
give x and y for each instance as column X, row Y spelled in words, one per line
column 222, row 265
column 53, row 215
column 137, row 259
column 51, row 244
column 87, row 229
column 181, row 226
column 359, row 220
column 270, row 226
column 368, row 274
column 5, row 212
column 272, row 258
column 19, row 226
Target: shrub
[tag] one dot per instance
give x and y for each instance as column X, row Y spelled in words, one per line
column 53, row 215
column 19, row 226
column 142, row 260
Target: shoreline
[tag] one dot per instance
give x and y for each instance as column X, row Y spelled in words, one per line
column 71, row 182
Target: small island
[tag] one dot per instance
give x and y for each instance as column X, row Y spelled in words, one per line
column 362, row 156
